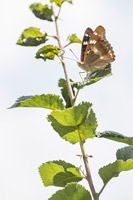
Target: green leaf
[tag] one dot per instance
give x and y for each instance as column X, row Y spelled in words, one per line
column 88, row 127
column 49, row 101
column 72, row 192
column 125, row 153
column 42, row 11
column 60, row 2
column 69, row 133
column 47, row 52
column 72, row 116
column 114, row 169
column 59, row 173
column 64, row 91
column 23, row 98
column 74, row 39
column 93, row 77
column 112, row 135
column 73, row 134
column 32, row 37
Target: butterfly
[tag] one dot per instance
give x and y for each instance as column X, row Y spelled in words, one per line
column 96, row 52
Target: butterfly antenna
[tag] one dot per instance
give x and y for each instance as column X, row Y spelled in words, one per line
column 70, row 59
column 74, row 54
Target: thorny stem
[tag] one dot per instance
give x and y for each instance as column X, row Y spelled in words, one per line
column 62, row 57
column 89, row 178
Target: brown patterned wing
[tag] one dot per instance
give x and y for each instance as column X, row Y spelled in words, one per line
column 99, row 52
column 85, row 41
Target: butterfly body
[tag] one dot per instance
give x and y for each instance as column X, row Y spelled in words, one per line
column 96, row 52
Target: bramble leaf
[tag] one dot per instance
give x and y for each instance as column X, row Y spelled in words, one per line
column 60, row 2
column 112, row 135
column 74, row 39
column 64, row 91
column 88, row 127
column 93, row 77
column 72, row 191
column 47, row 52
column 32, row 37
column 125, row 153
column 69, row 133
column 48, row 101
column 72, row 116
column 71, row 129
column 113, row 170
column 20, row 99
column 42, row 11
column 59, row 173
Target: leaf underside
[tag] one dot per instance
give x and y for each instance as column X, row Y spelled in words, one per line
column 112, row 135
column 42, row 11
column 93, row 77
column 125, row 153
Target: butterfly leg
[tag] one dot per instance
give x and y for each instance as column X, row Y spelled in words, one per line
column 81, row 76
column 87, row 78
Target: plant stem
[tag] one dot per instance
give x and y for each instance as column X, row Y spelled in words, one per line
column 102, row 189
column 89, row 178
column 67, row 44
column 71, row 95
column 76, row 96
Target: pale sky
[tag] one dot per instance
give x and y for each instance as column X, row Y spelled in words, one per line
column 27, row 139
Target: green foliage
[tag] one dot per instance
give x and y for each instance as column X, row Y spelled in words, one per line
column 72, row 116
column 69, row 133
column 112, row 135
column 72, row 192
column 74, row 39
column 48, row 101
column 88, row 127
column 93, row 77
column 59, row 173
column 125, row 153
column 20, row 99
column 74, row 127
column 114, row 169
column 124, row 162
column 60, row 2
column 64, row 91
column 47, row 52
column 72, row 123
column 42, row 11
column 32, row 37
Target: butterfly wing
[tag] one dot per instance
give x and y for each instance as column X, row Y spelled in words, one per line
column 86, row 38
column 98, row 52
